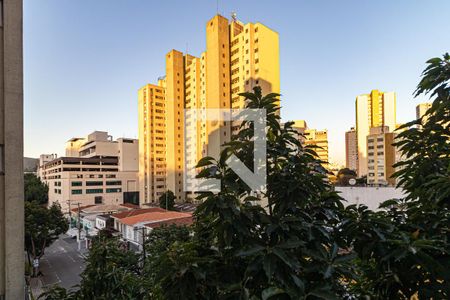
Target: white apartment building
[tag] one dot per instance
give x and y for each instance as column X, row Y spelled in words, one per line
column 95, row 170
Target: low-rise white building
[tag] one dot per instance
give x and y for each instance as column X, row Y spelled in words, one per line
column 95, row 170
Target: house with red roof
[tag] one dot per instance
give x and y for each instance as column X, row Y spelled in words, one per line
column 134, row 224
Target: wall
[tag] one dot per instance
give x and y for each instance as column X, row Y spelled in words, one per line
column 370, row 196
column 11, row 152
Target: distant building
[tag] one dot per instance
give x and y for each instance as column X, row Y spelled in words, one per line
column 43, row 159
column 372, row 110
column 313, row 137
column 300, row 126
column 421, row 110
column 98, row 171
column 318, row 138
column 381, row 156
column 351, row 150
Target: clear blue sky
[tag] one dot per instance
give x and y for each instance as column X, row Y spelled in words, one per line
column 85, row 59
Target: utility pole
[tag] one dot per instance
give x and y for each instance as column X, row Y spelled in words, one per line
column 70, row 214
column 79, row 226
column 143, row 245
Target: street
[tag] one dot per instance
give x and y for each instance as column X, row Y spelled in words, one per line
column 61, row 265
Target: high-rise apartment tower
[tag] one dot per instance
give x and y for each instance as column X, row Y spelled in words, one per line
column 238, row 57
column 372, row 110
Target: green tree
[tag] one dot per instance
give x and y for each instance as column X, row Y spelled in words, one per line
column 242, row 250
column 300, row 242
column 111, row 273
column 404, row 250
column 167, row 200
column 344, row 175
column 35, row 189
column 160, row 241
column 42, row 227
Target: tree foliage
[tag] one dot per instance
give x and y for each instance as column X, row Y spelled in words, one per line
column 167, row 200
column 240, row 249
column 297, row 240
column 404, row 250
column 344, row 175
column 35, row 189
column 113, row 272
column 42, row 227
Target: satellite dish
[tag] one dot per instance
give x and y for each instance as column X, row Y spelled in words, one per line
column 352, row 181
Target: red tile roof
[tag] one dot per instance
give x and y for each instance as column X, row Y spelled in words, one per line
column 81, row 207
column 134, row 212
column 156, row 216
column 129, row 205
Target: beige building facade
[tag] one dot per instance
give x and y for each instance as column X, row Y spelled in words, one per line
column 12, row 263
column 100, row 171
column 381, row 156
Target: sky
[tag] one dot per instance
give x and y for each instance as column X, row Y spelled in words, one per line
column 84, row 60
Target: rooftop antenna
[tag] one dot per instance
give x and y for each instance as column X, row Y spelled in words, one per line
column 217, row 7
column 234, row 16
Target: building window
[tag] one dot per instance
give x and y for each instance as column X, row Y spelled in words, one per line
column 115, row 190
column 77, row 183
column 98, row 200
column 77, row 192
column 94, row 183
column 116, row 182
column 94, row 191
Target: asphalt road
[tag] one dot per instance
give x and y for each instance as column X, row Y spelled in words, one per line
column 62, row 263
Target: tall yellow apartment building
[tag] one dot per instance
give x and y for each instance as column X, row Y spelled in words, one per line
column 152, row 142
column 238, row 57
